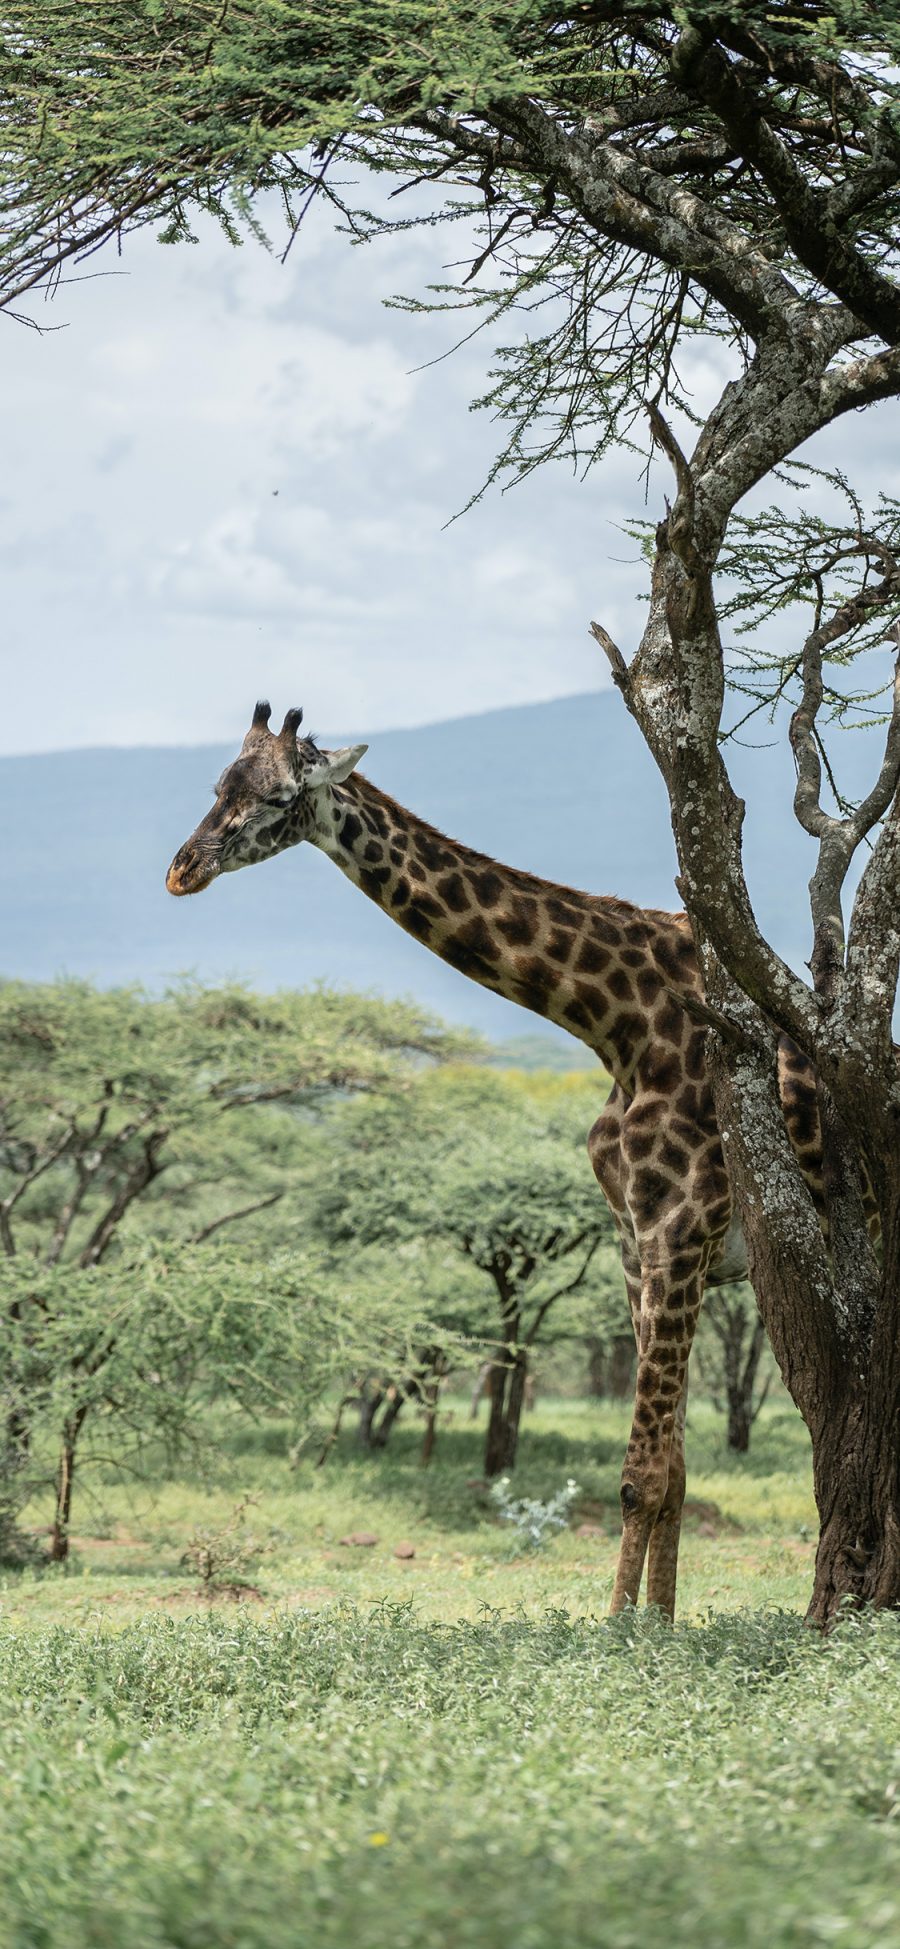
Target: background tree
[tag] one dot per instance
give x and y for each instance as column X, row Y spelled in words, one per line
column 731, row 1350
column 408, row 1307
column 646, row 178
column 101, row 1092
column 109, row 1102
column 116, row 1359
column 472, row 1161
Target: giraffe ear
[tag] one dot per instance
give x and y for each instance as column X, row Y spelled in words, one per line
column 334, row 766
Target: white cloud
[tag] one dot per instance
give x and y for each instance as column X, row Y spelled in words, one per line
column 522, row 587
column 225, row 477
column 224, row 572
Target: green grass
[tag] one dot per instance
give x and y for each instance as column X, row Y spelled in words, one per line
column 460, row 1750
column 747, row 1520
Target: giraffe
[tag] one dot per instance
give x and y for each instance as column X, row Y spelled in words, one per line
column 616, row 976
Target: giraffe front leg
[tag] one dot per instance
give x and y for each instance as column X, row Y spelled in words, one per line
column 665, row 1536
column 653, row 1474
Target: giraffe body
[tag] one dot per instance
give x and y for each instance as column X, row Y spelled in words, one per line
column 613, row 975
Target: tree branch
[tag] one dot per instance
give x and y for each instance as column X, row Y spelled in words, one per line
column 809, row 222
column 141, row 1174
column 560, row 1293
column 27, row 1179
column 613, row 655
column 839, row 837
column 230, row 1217
column 626, row 200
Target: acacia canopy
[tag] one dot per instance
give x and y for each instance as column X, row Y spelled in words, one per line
column 749, row 154
column 626, row 182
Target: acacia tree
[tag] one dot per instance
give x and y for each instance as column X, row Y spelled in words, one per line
column 646, row 177
column 733, row 1345
column 470, row 1163
column 109, row 1098
column 111, row 1357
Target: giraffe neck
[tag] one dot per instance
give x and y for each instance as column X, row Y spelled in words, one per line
column 597, row 966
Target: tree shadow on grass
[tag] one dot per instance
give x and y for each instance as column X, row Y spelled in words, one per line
column 452, row 1492
column 780, row 1443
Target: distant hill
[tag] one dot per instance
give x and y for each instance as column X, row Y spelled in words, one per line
column 565, row 789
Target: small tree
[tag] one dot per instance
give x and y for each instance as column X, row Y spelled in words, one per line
column 526, row 1212
column 116, row 1357
column 731, row 1345
column 131, row 1352
column 467, row 1160
column 101, row 1093
column 405, row 1311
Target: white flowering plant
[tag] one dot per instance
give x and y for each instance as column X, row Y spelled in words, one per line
column 534, row 1522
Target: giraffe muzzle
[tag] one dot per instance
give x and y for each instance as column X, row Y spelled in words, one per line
column 190, row 871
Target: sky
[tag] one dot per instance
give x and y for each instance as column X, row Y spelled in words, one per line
column 228, row 476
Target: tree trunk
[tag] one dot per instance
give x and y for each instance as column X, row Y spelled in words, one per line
column 394, row 1402
column 430, row 1396
column 507, row 1400
column 742, row 1337
column 742, row 1412
column 65, row 1477
column 856, row 1457
column 621, row 1367
column 333, row 1432
column 495, row 1440
column 430, row 1379
column 373, row 1433
column 18, row 1430
column 856, row 1469
column 370, row 1400
column 839, row 1358
column 483, row 1386
column 740, row 1422
column 611, row 1367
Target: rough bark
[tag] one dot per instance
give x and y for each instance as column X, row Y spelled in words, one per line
column 826, row 1310
column 837, row 1353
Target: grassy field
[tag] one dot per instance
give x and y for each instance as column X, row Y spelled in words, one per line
column 455, row 1748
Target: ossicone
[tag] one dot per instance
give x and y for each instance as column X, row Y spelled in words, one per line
column 291, row 725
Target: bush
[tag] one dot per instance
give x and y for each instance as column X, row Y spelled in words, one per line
column 533, row 1521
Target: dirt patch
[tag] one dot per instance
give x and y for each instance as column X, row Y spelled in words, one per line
column 215, row 1594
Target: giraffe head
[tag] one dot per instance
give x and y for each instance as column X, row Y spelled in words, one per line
column 270, row 797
